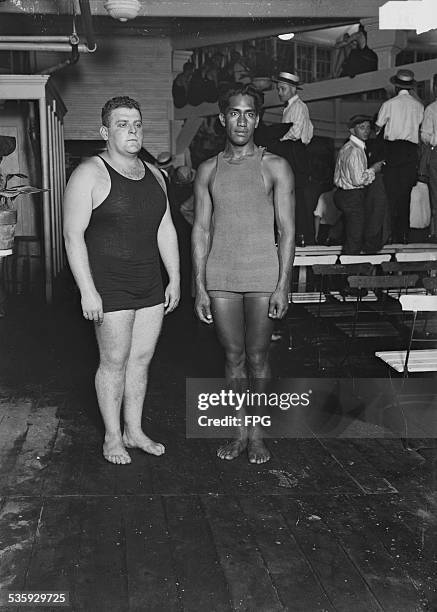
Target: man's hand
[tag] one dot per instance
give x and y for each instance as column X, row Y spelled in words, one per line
column 172, row 297
column 278, row 304
column 92, row 307
column 377, row 166
column 203, row 306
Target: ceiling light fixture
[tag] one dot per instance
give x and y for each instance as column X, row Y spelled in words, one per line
column 123, row 9
column 288, row 36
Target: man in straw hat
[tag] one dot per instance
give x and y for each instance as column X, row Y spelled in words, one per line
column 400, row 117
column 293, row 145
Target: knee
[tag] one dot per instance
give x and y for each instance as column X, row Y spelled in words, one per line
column 256, row 360
column 115, row 361
column 235, row 357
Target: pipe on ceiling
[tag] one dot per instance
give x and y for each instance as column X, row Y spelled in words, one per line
column 87, row 22
column 73, row 59
column 36, row 39
column 60, row 47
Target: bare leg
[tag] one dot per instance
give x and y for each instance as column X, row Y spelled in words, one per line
column 228, row 317
column 114, row 340
column 259, row 329
column 145, row 333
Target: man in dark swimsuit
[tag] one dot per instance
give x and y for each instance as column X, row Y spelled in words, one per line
column 242, row 280
column 116, row 224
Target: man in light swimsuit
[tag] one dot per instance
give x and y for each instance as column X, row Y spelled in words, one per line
column 242, row 279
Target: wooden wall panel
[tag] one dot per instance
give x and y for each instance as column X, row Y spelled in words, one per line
column 138, row 67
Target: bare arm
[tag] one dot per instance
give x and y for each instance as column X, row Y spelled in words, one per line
column 168, row 249
column 200, row 238
column 284, row 204
column 78, row 207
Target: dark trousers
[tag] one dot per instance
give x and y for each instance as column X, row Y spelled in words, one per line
column 377, row 225
column 295, row 152
column 400, row 176
column 351, row 202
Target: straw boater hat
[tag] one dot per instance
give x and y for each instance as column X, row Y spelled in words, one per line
column 289, row 78
column 404, row 78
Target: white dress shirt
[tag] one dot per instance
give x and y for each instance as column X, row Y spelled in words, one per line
column 296, row 112
column 428, row 130
column 401, row 116
column 351, row 170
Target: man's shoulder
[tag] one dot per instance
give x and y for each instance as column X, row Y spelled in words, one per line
column 431, row 108
column 348, row 145
column 275, row 164
column 207, row 166
column 89, row 169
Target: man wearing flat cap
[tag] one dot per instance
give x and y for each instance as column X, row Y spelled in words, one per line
column 351, row 177
column 293, row 144
column 400, row 117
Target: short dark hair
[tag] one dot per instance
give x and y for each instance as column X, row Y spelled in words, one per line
column 244, row 90
column 118, row 102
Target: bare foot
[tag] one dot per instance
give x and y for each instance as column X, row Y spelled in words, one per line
column 257, row 451
column 114, row 450
column 143, row 442
column 232, row 450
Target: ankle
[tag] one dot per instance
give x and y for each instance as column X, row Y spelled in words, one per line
column 112, row 434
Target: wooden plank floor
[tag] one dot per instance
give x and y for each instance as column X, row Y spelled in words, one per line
column 326, row 525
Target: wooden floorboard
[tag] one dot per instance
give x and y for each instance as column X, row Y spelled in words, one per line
column 13, row 433
column 19, row 520
column 313, row 467
column 250, row 586
column 27, row 475
column 201, row 579
column 389, row 583
column 340, row 578
column 101, row 582
column 151, row 568
column 365, row 474
column 406, row 526
column 297, row 585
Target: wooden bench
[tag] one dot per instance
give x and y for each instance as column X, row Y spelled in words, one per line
column 375, row 260
column 303, row 262
column 420, row 360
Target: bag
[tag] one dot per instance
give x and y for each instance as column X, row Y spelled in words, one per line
column 420, row 208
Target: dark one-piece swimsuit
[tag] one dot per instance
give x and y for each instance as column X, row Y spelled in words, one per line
column 121, row 240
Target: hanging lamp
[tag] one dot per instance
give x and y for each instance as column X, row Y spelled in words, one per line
column 122, row 9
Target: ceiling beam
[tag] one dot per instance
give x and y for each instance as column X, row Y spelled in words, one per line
column 204, row 38
column 215, row 8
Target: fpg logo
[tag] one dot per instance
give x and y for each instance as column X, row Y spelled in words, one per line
column 419, row 15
